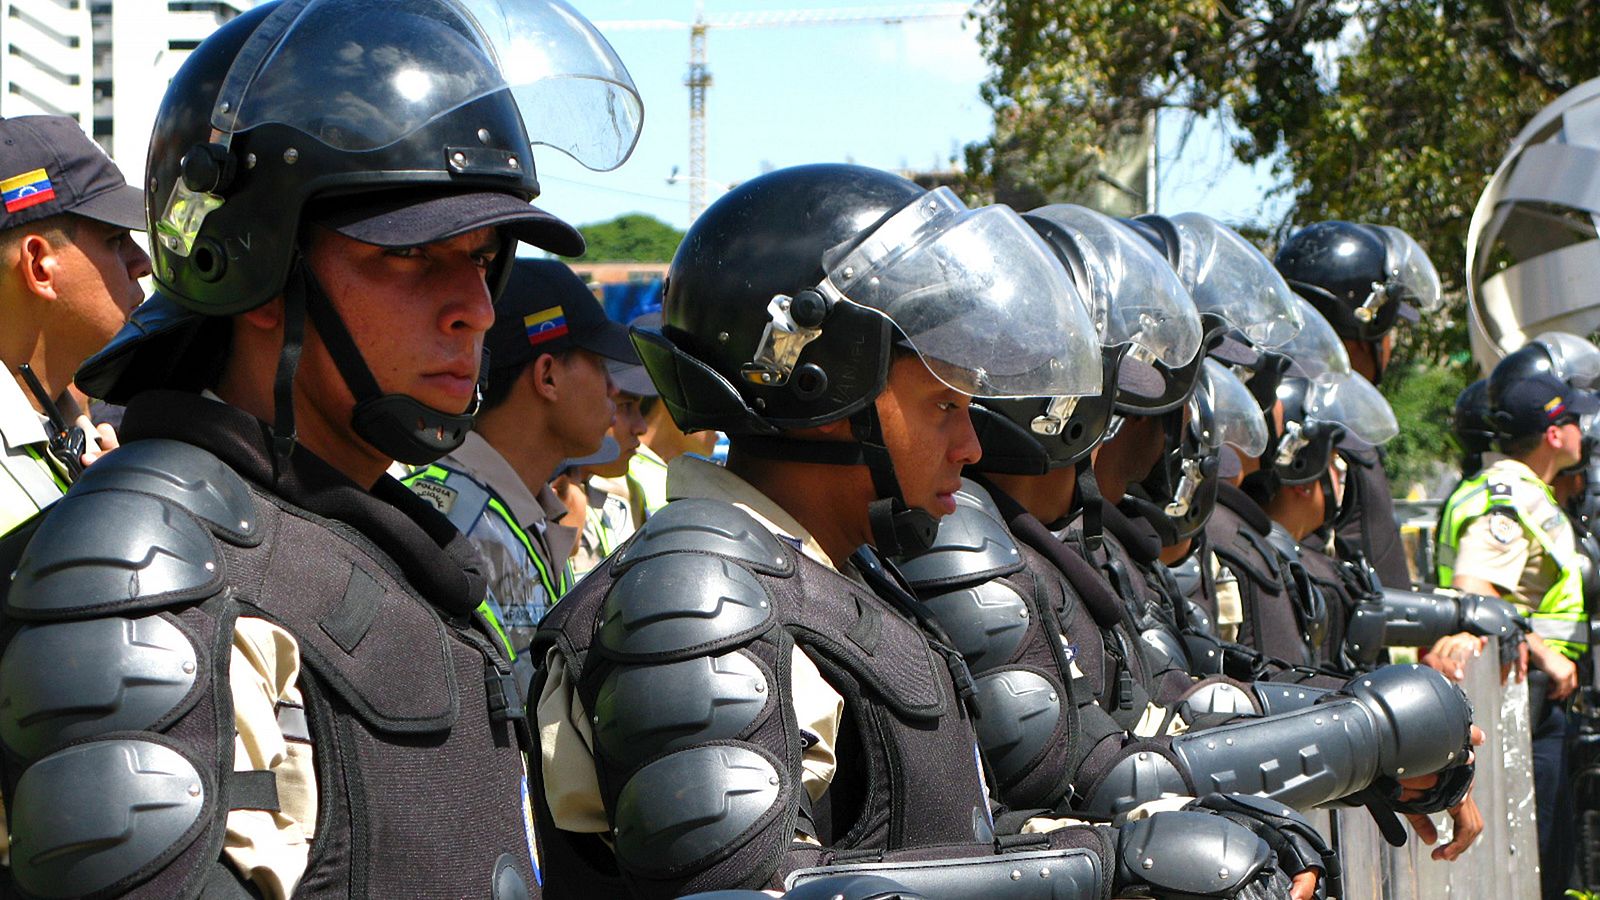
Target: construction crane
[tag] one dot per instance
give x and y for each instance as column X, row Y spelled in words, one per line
column 699, row 77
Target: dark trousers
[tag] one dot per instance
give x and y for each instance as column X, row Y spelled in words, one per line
column 1557, row 818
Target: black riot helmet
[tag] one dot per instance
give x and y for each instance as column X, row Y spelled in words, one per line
column 1221, row 412
column 789, row 296
column 1566, row 356
column 1234, row 287
column 396, row 124
column 1470, row 424
column 1320, row 413
column 1142, row 316
column 1362, row 278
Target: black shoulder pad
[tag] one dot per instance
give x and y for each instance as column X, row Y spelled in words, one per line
column 63, row 681
column 110, row 552
column 103, row 816
column 682, row 605
column 699, row 805
column 706, row 526
column 185, row 476
column 972, row 546
column 646, row 710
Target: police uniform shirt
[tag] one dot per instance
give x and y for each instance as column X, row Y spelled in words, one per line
column 607, row 523
column 566, row 736
column 28, row 480
column 517, row 583
column 1495, row 547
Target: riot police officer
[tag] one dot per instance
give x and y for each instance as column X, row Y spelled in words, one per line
column 780, row 713
column 1364, row 279
column 235, row 643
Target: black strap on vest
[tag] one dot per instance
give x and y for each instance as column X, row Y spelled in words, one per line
column 897, row 529
column 887, row 582
column 1091, row 502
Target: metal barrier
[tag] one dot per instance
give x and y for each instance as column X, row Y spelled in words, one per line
column 1504, row 862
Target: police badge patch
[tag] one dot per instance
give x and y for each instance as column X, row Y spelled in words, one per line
column 1504, row 529
column 443, row 498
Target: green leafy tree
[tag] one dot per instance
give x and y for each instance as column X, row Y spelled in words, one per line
column 634, row 237
column 1392, row 111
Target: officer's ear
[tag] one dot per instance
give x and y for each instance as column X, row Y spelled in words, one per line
column 543, row 376
column 38, row 264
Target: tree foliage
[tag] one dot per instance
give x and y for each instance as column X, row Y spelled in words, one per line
column 634, row 237
column 1391, row 111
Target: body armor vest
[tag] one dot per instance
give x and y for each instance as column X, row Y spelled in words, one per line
column 118, row 721
column 1237, row 534
column 679, row 646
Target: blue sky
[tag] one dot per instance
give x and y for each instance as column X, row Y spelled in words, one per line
column 891, row 96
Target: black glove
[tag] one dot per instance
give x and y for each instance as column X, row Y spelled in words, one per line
column 1294, row 841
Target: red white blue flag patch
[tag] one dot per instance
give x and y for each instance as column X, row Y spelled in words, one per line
column 28, row 189
column 545, row 326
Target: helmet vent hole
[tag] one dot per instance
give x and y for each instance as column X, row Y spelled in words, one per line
column 809, row 381
column 207, row 261
column 1074, row 431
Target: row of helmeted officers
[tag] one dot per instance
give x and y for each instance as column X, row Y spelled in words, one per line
column 1052, row 555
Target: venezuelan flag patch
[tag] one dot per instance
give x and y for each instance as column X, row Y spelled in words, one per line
column 28, row 189
column 546, row 325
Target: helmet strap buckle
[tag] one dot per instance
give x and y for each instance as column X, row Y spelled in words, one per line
column 1376, row 298
column 1293, row 441
column 792, row 323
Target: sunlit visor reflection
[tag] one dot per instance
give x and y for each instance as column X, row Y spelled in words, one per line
column 1410, row 270
column 979, row 296
column 1353, row 402
column 1135, row 295
column 1235, row 418
column 1230, row 278
column 358, row 75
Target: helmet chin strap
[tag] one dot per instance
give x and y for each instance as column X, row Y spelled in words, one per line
column 898, row 530
column 398, row 425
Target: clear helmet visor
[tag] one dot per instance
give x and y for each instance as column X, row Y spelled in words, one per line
column 1412, row 277
column 1228, row 277
column 1223, row 411
column 1135, row 295
column 1351, row 400
column 1576, row 361
column 979, row 296
column 360, row 75
column 1316, row 351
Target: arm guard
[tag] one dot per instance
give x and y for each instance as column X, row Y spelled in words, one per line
column 1218, row 700
column 1190, row 853
column 1418, row 618
column 1396, row 722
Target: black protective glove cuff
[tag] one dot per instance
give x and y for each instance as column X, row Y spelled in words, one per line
column 1294, row 840
column 1446, row 793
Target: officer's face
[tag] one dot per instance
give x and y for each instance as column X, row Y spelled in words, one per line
column 97, row 284
column 929, row 434
column 583, row 401
column 418, row 315
column 627, row 424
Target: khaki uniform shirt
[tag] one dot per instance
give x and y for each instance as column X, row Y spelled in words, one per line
column 28, row 482
column 514, row 580
column 566, row 736
column 1495, row 548
column 27, row 485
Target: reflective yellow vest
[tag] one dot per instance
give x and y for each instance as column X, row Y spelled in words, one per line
column 489, row 609
column 1560, row 618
